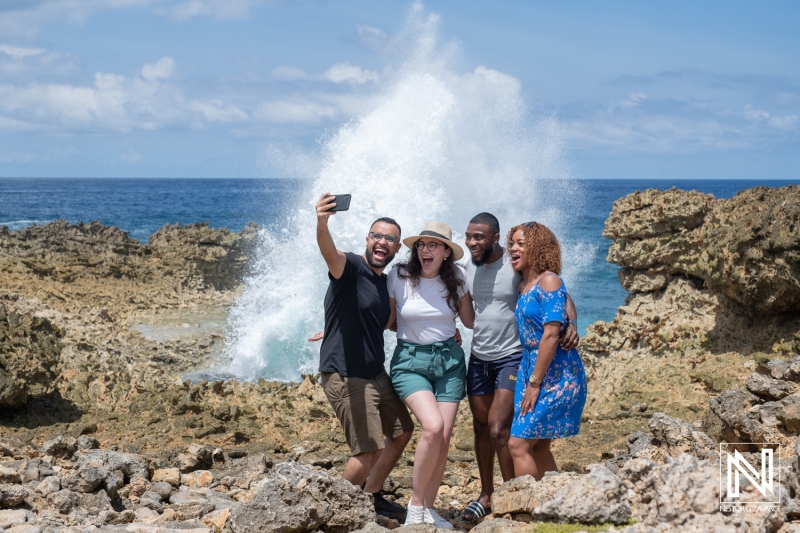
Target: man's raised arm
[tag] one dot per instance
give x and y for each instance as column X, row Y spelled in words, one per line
column 333, row 257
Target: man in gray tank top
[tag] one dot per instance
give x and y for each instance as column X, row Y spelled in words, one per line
column 496, row 353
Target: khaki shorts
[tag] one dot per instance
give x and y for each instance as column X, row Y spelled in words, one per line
column 368, row 410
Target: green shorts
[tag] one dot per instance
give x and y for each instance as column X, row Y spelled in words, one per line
column 439, row 368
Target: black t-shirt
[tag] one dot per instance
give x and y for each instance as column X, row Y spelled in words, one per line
column 356, row 313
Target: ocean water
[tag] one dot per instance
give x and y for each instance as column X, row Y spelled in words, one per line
column 142, row 206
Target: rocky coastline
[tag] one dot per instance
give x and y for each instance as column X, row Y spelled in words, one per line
column 99, row 431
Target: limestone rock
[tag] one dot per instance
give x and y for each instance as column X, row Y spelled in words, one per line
column 12, row 495
column 29, row 353
column 501, row 525
column 168, row 475
column 745, row 246
column 523, row 494
column 680, row 436
column 768, row 387
column 297, row 498
column 596, row 498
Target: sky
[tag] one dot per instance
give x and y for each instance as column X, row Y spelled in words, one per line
column 210, row 88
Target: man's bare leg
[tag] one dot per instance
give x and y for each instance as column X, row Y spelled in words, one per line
column 359, row 466
column 387, row 460
column 484, row 449
column 501, row 415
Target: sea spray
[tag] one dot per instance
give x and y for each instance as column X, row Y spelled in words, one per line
column 435, row 144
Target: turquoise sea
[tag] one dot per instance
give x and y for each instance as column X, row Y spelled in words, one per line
column 142, row 206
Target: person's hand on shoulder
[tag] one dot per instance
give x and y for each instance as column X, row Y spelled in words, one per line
column 318, row 336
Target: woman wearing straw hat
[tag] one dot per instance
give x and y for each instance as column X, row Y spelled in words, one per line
column 428, row 369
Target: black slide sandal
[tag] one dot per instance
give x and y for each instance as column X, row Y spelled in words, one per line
column 474, row 511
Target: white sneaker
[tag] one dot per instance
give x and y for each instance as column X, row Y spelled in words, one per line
column 432, row 517
column 415, row 515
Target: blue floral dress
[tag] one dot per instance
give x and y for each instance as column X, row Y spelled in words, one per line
column 563, row 391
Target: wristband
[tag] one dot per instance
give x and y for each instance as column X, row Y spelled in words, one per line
column 573, row 322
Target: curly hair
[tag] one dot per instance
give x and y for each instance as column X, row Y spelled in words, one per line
column 542, row 250
column 412, row 270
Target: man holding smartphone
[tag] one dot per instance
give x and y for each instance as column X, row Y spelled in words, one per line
column 352, row 355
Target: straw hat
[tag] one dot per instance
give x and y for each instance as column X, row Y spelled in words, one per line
column 439, row 231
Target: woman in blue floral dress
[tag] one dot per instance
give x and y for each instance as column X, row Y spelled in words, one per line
column 551, row 384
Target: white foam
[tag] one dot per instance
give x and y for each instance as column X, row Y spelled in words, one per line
column 438, row 144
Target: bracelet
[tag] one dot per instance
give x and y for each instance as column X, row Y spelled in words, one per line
column 573, row 322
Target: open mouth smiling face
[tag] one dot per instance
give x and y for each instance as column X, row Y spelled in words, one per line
column 431, row 259
column 516, row 249
column 479, row 242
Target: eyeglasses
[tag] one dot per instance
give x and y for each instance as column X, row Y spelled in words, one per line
column 378, row 236
column 431, row 246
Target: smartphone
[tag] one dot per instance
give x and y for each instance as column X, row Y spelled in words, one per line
column 342, row 202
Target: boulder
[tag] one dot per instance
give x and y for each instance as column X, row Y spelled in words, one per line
column 596, row 498
column 745, row 247
column 30, row 350
column 770, row 388
column 297, row 498
column 12, row 495
column 524, row 493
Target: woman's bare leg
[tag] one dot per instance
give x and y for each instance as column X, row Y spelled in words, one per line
column 521, row 454
column 423, row 405
column 545, row 462
column 448, row 412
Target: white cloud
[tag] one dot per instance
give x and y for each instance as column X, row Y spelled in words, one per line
column 218, row 111
column 130, row 156
column 18, row 52
column 784, row 123
column 160, row 70
column 219, row 9
column 633, row 100
column 755, row 115
column 18, row 62
column 286, row 73
column 295, row 112
column 345, row 72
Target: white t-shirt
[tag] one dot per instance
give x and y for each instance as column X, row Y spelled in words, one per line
column 423, row 316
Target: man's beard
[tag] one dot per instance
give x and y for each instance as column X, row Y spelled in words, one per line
column 378, row 264
column 487, row 253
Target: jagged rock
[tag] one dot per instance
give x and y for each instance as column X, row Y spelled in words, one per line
column 197, row 456
column 596, row 498
column 122, row 517
column 60, row 446
column 297, row 499
column 221, row 501
column 63, row 500
column 87, row 442
column 162, row 488
column 188, row 497
column 85, row 479
column 784, row 370
column 679, row 436
column 501, row 525
column 197, row 479
column 683, row 495
column 243, row 472
column 168, row 475
column 29, row 353
column 9, row 475
column 12, row 495
column 745, row 246
column 108, row 461
column 35, row 470
column 524, row 493
column 311, row 453
column 767, row 387
column 49, row 485
column 9, row 518
column 217, row 520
